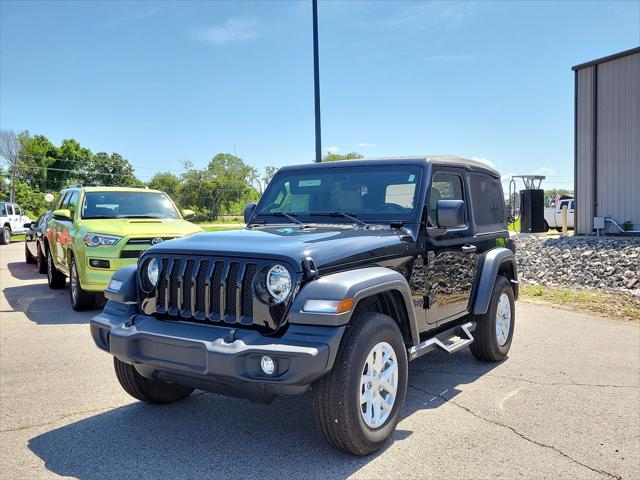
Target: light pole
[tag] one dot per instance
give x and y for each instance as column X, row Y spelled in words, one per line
column 316, row 81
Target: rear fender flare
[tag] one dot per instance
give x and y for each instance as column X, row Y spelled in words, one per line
column 490, row 264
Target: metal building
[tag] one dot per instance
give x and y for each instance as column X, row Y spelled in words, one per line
column 607, row 140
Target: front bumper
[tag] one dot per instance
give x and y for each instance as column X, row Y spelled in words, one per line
column 207, row 357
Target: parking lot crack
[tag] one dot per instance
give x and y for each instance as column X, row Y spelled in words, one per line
column 516, row 432
column 527, row 380
column 55, row 420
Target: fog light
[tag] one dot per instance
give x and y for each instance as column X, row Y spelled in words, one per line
column 96, row 263
column 268, row 365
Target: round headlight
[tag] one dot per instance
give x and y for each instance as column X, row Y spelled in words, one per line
column 278, row 283
column 152, row 272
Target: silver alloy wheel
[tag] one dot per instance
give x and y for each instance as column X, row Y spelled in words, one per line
column 378, row 385
column 503, row 319
column 74, row 282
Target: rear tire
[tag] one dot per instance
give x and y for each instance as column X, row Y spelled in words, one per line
column 55, row 278
column 27, row 255
column 5, row 236
column 145, row 389
column 339, row 397
column 80, row 299
column 494, row 330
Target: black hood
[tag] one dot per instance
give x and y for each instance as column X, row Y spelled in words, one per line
column 328, row 246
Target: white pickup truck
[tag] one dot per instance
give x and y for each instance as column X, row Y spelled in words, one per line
column 553, row 216
column 12, row 221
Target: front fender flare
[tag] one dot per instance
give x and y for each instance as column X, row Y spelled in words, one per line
column 490, row 266
column 357, row 284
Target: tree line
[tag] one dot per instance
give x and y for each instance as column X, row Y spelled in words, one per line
column 34, row 166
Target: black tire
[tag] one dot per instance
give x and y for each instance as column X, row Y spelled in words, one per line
column 148, row 390
column 5, row 235
column 41, row 261
column 486, row 346
column 55, row 278
column 559, row 229
column 27, row 255
column 336, row 396
column 546, row 226
column 80, row 299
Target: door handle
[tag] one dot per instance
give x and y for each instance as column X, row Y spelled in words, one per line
column 469, row 248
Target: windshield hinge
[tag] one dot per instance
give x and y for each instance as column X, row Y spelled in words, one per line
column 309, row 268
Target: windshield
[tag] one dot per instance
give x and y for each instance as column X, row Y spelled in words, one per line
column 371, row 192
column 128, row 205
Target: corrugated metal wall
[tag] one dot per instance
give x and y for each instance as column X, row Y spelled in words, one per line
column 584, row 151
column 617, row 144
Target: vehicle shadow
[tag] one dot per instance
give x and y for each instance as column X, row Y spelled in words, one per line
column 211, row 436
column 24, row 271
column 38, row 302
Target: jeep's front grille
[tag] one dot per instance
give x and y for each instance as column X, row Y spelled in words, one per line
column 206, row 289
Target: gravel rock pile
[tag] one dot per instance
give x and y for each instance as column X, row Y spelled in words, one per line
column 605, row 263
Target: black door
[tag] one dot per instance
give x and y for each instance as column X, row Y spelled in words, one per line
column 450, row 258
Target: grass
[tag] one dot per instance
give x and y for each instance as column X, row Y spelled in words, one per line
column 607, row 304
column 219, row 227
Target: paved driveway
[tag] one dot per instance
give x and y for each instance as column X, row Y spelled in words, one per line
column 564, row 405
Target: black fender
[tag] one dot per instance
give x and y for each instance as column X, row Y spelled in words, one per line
column 127, row 290
column 357, row 284
column 490, row 265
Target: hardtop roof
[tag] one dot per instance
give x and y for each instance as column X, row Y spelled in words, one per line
column 424, row 160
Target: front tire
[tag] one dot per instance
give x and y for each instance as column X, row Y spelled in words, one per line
column 145, row 389
column 80, row 299
column 5, row 237
column 41, row 261
column 27, row 255
column 355, row 405
column 55, row 278
column 494, row 330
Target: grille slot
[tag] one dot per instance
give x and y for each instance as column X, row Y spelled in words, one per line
column 206, row 289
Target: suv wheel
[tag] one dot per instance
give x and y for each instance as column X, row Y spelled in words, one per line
column 358, row 404
column 5, row 238
column 146, row 389
column 80, row 299
column 55, row 278
column 494, row 332
column 41, row 261
column 27, row 255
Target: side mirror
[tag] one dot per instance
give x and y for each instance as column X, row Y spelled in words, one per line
column 62, row 214
column 450, row 213
column 188, row 214
column 248, row 211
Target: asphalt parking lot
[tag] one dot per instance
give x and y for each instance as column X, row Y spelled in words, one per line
column 566, row 404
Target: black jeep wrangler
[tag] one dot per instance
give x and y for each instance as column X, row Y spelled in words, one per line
column 344, row 272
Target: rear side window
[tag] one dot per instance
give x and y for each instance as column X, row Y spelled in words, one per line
column 488, row 202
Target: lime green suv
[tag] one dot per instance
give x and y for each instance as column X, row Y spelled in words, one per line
column 94, row 231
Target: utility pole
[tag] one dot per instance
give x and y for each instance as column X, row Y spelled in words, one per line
column 316, row 80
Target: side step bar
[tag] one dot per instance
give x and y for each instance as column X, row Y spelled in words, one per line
column 450, row 340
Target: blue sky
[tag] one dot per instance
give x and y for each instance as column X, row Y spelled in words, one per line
column 164, row 82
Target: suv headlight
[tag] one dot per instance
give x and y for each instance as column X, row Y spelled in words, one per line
column 278, row 283
column 96, row 240
column 152, row 272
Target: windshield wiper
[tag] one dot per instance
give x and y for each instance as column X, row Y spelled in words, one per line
column 340, row 214
column 291, row 218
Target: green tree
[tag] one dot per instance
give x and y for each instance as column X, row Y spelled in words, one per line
column 334, row 157
column 166, row 182
column 110, row 170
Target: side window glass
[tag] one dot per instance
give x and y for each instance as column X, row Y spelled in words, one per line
column 9, row 209
column 73, row 203
column 3, row 209
column 445, row 186
column 18, row 210
column 63, row 200
column 488, row 202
